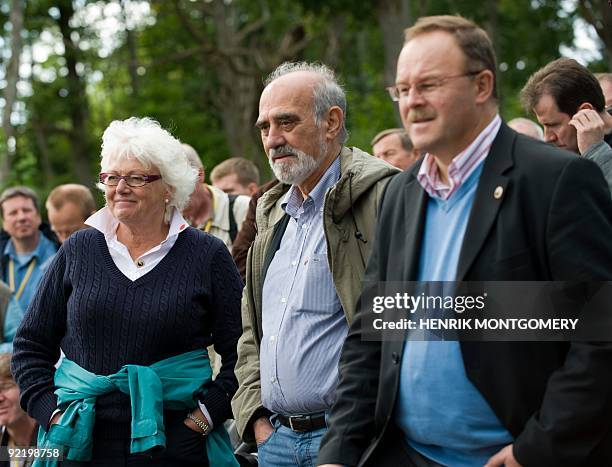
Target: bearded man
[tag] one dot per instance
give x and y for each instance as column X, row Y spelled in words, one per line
column 305, row 267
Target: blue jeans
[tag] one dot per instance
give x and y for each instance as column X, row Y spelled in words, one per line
column 287, row 448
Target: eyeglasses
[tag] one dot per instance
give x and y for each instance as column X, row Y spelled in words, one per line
column 134, row 181
column 423, row 88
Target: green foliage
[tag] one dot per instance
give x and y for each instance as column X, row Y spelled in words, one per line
column 173, row 74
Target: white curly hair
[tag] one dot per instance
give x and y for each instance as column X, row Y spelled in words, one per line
column 146, row 141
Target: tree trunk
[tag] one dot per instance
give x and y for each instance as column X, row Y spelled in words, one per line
column 238, row 58
column 76, row 99
column 130, row 40
column 43, row 148
column 10, row 91
column 393, row 19
column 238, row 95
column 599, row 14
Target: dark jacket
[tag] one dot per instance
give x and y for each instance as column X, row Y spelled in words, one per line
column 553, row 222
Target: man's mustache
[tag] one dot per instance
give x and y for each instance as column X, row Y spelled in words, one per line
column 285, row 150
column 416, row 115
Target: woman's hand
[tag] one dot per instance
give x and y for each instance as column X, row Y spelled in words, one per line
column 192, row 425
column 56, row 418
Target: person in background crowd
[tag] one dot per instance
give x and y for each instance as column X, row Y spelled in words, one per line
column 134, row 301
column 569, row 103
column 25, row 243
column 305, row 265
column 212, row 210
column 68, row 206
column 17, row 429
column 527, row 127
column 605, row 81
column 236, row 176
column 248, row 231
column 394, row 146
column 11, row 315
column 485, row 204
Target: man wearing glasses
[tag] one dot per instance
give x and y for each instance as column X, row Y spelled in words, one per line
column 485, row 204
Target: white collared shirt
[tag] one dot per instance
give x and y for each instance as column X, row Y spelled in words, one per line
column 106, row 223
column 462, row 165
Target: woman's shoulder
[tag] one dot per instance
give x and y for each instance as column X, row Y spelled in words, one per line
column 81, row 238
column 203, row 241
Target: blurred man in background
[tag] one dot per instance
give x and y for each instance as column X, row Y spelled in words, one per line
column 394, row 146
column 236, row 176
column 527, row 127
column 211, row 209
column 68, row 207
column 605, row 81
column 25, row 244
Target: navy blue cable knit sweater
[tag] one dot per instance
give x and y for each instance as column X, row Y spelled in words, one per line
column 102, row 321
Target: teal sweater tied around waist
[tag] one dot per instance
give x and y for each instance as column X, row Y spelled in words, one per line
column 171, row 384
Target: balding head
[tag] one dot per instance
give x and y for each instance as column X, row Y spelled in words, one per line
column 527, row 127
column 605, row 80
column 301, row 119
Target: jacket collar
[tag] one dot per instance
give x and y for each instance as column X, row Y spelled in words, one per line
column 358, row 172
column 489, row 197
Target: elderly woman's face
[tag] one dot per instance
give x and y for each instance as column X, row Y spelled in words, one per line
column 136, row 205
column 10, row 411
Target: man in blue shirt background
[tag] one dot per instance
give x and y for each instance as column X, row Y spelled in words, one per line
column 25, row 244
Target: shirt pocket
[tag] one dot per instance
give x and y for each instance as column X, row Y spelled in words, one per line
column 319, row 291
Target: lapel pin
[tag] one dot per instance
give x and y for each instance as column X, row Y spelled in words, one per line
column 499, row 191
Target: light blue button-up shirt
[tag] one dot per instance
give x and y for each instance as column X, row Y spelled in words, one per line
column 43, row 252
column 303, row 322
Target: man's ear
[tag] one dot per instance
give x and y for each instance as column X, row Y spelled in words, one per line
column 335, row 119
column 485, row 81
column 585, row 105
column 253, row 188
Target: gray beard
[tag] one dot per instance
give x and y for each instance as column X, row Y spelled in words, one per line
column 295, row 171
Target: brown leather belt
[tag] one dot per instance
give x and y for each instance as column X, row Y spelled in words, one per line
column 303, row 423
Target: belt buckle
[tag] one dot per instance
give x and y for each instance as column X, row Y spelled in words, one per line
column 299, row 417
column 291, row 423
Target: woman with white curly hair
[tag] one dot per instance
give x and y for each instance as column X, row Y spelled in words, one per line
column 134, row 301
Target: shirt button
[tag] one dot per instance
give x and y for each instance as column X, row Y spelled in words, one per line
column 283, row 300
column 293, row 263
column 273, row 379
column 140, row 263
column 304, row 226
column 272, row 338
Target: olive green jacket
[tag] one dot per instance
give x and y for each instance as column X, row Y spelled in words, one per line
column 350, row 207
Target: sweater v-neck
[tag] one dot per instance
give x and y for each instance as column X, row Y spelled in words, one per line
column 158, row 270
